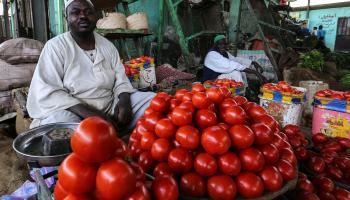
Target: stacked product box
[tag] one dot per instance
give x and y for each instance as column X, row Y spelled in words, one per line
column 236, row 88
column 332, row 113
column 283, row 102
column 141, row 72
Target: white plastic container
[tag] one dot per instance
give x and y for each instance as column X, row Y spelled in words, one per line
column 284, row 113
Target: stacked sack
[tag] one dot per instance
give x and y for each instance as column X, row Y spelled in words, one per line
column 18, row 58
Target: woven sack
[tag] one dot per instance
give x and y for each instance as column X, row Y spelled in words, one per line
column 112, row 21
column 15, row 76
column 137, row 21
column 20, row 50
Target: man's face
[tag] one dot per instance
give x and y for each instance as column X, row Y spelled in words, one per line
column 81, row 18
column 222, row 45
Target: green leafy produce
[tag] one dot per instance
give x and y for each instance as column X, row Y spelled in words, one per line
column 345, row 80
column 313, row 60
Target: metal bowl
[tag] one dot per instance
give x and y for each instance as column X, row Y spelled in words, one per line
column 28, row 145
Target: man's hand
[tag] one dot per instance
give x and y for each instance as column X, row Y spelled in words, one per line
column 85, row 111
column 123, row 111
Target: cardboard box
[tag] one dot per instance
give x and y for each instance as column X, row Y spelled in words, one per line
column 331, row 123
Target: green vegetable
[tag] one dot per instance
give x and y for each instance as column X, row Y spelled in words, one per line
column 345, row 80
column 313, row 60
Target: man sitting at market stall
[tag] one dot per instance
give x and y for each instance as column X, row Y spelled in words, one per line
column 220, row 64
column 80, row 74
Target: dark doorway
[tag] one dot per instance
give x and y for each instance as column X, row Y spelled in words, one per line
column 343, row 35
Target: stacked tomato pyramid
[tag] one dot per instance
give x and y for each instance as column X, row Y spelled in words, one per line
column 210, row 144
column 96, row 169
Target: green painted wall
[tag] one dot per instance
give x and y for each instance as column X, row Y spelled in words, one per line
column 56, row 17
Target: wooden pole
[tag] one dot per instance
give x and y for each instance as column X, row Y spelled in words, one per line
column 6, row 18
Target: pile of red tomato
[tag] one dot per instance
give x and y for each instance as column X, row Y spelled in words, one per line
column 282, row 86
column 318, row 188
column 130, row 71
column 224, row 83
column 332, row 94
column 330, row 158
column 212, row 144
column 96, row 169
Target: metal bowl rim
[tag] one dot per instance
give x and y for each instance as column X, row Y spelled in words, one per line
column 35, row 157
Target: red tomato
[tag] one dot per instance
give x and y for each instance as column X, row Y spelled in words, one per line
column 241, row 136
column 135, row 149
column 291, row 129
column 270, row 152
column 215, row 95
column 162, row 169
column 205, row 164
column 268, row 120
column 180, row 94
column 288, row 155
column 272, row 178
column 215, row 140
column 252, row 160
column 152, row 120
column 224, row 126
column 73, row 172
column 192, row 185
column 148, row 112
column 77, row 197
column 181, row 117
column 165, row 128
column 121, row 148
column 306, row 185
column 180, row 160
column 206, row 118
column 174, row 103
column 159, row 104
column 140, row 174
column 286, row 169
column 164, row 95
column 147, row 140
column 221, row 187
column 341, row 194
column 165, row 187
column 229, row 164
column 234, row 115
column 334, row 173
column 256, row 111
column 113, row 174
column 249, row 185
column 326, row 196
column 319, row 138
column 278, row 142
column 59, row 192
column 188, row 137
column 225, row 91
column 161, row 149
column 141, row 193
column 198, row 88
column 263, row 134
column 188, row 105
column 146, row 161
column 201, row 101
column 187, row 97
column 227, row 103
column 248, row 105
column 317, row 164
column 240, row 100
column 94, row 140
column 323, row 184
column 301, row 153
column 140, row 130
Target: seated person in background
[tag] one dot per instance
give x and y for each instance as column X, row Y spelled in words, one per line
column 314, row 32
column 321, row 33
column 220, row 64
column 80, row 74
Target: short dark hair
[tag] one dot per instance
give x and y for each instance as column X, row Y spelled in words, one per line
column 315, row 28
column 320, row 27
